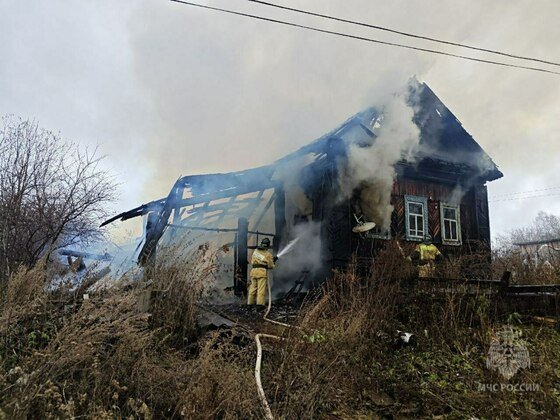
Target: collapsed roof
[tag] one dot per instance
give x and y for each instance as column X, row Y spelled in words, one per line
column 443, row 142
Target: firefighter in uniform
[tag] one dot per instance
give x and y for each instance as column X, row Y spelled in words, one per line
column 425, row 255
column 261, row 261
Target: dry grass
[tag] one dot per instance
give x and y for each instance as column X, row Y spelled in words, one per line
column 64, row 358
column 101, row 358
column 527, row 270
column 347, row 365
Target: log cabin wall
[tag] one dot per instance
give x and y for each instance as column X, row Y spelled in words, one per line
column 474, row 220
column 340, row 243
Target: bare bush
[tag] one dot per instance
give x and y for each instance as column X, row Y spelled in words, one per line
column 349, row 364
column 546, row 226
column 531, row 253
column 526, row 270
column 178, row 284
column 101, row 358
column 52, row 194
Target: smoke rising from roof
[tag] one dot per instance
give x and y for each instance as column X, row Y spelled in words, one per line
column 369, row 171
column 168, row 90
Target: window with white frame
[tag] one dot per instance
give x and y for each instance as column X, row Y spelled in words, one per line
column 450, row 224
column 416, row 217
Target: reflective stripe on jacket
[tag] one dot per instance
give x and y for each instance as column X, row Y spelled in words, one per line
column 261, row 261
column 428, row 252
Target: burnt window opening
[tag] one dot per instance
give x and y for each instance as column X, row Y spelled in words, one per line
column 416, row 217
column 450, row 224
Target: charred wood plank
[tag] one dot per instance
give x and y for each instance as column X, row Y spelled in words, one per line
column 231, row 205
column 242, row 262
column 72, row 253
column 206, row 229
column 155, row 232
column 190, row 201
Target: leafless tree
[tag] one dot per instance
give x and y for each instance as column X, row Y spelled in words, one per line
column 52, row 194
column 545, row 227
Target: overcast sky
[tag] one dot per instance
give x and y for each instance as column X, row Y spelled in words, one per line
column 167, row 90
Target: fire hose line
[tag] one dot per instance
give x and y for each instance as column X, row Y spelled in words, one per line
column 262, row 396
column 268, row 309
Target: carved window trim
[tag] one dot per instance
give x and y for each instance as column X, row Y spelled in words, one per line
column 449, row 223
column 412, row 228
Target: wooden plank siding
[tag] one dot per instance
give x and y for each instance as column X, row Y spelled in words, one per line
column 340, row 243
column 475, row 224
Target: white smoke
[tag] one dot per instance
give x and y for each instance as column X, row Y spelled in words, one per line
column 370, row 171
column 304, row 256
column 456, row 195
column 290, row 173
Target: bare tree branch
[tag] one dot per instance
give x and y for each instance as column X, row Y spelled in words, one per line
column 52, row 194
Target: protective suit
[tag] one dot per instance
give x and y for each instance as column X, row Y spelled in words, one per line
column 261, row 261
column 426, row 255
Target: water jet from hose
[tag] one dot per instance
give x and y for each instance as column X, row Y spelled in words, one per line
column 287, row 248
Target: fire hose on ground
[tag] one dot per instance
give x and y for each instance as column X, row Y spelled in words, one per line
column 262, row 395
column 267, row 412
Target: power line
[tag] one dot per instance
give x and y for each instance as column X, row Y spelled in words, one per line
column 360, row 38
column 524, row 198
column 408, row 34
column 525, row 192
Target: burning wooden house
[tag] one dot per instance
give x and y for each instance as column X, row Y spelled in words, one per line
column 437, row 188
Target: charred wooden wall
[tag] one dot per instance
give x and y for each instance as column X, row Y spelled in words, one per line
column 336, row 223
column 475, row 222
column 340, row 243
